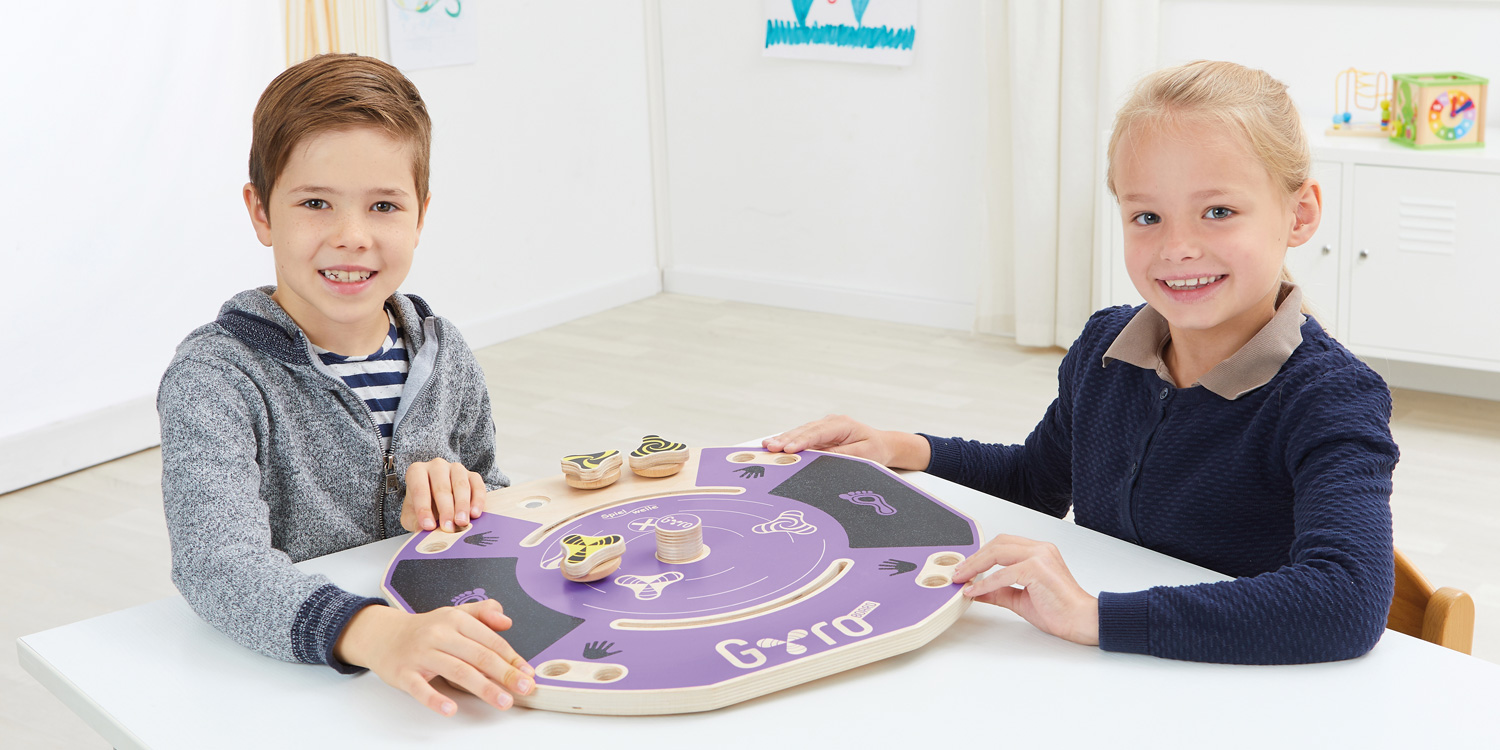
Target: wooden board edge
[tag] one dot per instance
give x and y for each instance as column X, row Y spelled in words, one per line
column 753, row 685
column 390, row 565
column 745, row 687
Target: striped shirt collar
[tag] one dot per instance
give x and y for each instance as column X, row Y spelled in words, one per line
column 1145, row 337
column 391, row 337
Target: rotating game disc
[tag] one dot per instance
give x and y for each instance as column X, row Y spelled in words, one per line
column 808, row 564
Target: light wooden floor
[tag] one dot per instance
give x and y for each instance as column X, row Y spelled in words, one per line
column 706, row 372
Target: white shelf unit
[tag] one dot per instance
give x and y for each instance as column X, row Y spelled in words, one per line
column 1403, row 269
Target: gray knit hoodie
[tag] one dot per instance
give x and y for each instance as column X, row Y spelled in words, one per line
column 269, row 459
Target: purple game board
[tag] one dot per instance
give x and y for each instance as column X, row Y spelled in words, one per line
column 850, row 537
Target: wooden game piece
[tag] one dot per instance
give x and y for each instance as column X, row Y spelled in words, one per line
column 604, row 570
column 658, row 457
column 590, row 471
column 679, row 538
column 589, row 558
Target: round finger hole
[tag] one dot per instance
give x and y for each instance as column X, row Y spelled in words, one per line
column 535, row 501
column 785, row 459
column 947, row 560
column 609, row 674
column 555, row 669
column 740, row 458
column 935, row 582
column 433, row 547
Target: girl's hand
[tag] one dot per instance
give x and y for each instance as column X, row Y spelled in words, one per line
column 1049, row 598
column 836, row 433
column 441, row 494
column 458, row 644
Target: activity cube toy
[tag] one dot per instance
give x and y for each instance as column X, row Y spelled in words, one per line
column 1439, row 110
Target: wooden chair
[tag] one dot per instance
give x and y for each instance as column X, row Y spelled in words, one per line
column 1443, row 616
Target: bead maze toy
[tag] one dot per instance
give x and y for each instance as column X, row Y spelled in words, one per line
column 1355, row 89
column 1439, row 110
column 744, row 573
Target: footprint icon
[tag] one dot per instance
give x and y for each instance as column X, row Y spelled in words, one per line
column 872, row 499
column 472, row 595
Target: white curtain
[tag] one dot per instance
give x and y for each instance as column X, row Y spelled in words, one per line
column 1057, row 71
column 314, row 27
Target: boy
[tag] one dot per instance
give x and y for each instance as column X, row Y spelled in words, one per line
column 284, row 437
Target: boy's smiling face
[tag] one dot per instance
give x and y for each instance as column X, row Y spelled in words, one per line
column 342, row 221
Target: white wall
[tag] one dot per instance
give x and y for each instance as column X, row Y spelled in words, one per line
column 1306, row 44
column 124, row 135
column 541, row 209
column 848, row 188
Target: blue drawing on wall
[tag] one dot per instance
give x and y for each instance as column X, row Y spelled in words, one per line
column 859, row 9
column 833, row 29
column 800, row 7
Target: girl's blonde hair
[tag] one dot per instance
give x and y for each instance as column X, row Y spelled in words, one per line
column 1245, row 101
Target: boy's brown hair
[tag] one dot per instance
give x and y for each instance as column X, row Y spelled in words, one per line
column 336, row 92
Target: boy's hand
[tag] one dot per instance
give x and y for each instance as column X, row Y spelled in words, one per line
column 836, row 433
column 1049, row 598
column 441, row 494
column 458, row 644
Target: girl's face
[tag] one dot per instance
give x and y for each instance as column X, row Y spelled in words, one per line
column 1206, row 228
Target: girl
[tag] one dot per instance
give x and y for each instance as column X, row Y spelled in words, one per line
column 1217, row 423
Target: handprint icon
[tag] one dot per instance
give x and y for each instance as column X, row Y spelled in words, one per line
column 599, row 650
column 483, row 539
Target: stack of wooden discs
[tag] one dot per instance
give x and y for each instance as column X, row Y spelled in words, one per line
column 590, row 471
column 679, row 538
column 658, row 457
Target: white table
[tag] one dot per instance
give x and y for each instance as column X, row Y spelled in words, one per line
column 157, row 676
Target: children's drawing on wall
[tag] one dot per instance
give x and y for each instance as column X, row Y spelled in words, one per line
column 869, row 31
column 432, row 33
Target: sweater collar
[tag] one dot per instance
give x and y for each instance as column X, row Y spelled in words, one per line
column 254, row 318
column 1145, row 337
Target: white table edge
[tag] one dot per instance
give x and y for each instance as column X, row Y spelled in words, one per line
column 110, row 728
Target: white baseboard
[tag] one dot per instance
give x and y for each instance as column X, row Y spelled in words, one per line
column 78, row 443
column 561, row 309
column 33, row 456
column 892, row 308
column 1453, row 381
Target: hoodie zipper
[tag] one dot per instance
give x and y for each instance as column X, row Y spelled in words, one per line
column 391, row 484
column 388, row 455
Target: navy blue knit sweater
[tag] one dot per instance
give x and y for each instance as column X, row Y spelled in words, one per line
column 1287, row 488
